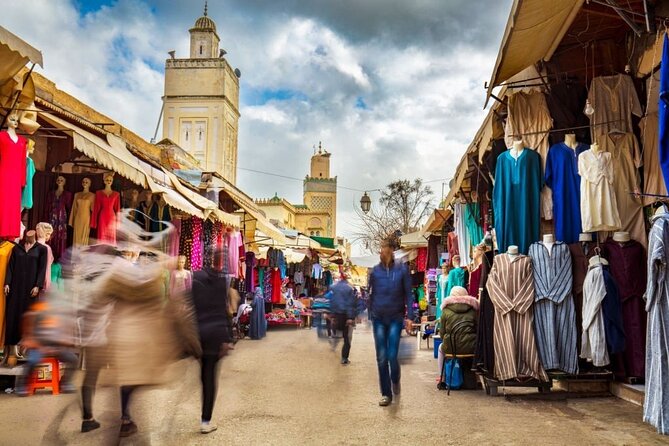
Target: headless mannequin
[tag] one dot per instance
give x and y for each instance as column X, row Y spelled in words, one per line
column 570, row 140
column 595, row 147
column 549, row 241
column 517, row 148
column 584, row 238
column 621, row 237
column 512, row 251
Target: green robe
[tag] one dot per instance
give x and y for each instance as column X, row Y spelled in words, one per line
column 472, row 223
column 27, row 193
column 455, row 278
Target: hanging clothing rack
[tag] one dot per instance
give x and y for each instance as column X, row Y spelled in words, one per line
column 578, row 127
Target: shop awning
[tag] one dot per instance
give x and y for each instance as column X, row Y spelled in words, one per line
column 414, row 240
column 110, row 153
column 435, row 222
column 175, row 199
column 208, row 207
column 15, row 54
column 533, row 32
column 325, row 242
column 295, row 239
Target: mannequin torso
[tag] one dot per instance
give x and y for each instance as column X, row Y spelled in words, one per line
column 80, row 217
column 12, row 179
column 549, row 241
column 621, row 237
column 517, row 149
column 512, row 251
column 570, row 141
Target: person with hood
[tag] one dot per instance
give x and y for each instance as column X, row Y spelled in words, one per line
column 343, row 310
column 390, row 303
column 459, row 313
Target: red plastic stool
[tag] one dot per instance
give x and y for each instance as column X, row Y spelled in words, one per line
column 34, row 383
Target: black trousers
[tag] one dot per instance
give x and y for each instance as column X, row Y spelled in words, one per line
column 208, row 364
column 95, row 360
column 347, row 333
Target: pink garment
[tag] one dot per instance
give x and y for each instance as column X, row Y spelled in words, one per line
column 49, row 262
column 234, row 243
column 104, row 216
column 12, row 180
column 173, row 245
column 180, row 282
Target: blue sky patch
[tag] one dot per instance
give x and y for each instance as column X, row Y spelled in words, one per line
column 87, row 6
column 361, row 104
column 261, row 96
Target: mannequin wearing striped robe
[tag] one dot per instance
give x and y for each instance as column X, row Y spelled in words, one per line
column 554, row 315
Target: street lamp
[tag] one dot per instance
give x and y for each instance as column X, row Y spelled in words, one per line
column 365, row 203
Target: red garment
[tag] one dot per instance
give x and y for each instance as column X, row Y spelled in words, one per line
column 12, row 179
column 104, row 215
column 421, row 260
column 475, row 281
column 453, row 249
column 275, row 279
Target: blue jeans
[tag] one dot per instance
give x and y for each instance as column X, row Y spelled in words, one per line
column 387, row 342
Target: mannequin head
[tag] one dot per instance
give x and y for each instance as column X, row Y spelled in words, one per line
column 108, row 180
column 444, row 268
column 31, row 146
column 181, row 263
column 13, row 120
column 60, row 181
column 43, row 231
column 134, row 195
column 479, row 250
column 30, row 237
column 86, row 183
column 456, row 262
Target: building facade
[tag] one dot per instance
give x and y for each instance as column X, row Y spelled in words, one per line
column 317, row 215
column 201, row 102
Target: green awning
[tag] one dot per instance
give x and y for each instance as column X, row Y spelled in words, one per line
column 325, row 242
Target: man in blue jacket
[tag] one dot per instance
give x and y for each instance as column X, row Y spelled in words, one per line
column 343, row 309
column 390, row 300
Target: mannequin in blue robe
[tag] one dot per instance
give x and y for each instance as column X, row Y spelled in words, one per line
column 515, row 199
column 663, row 111
column 565, row 182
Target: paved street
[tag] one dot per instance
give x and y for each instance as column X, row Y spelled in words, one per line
column 291, row 389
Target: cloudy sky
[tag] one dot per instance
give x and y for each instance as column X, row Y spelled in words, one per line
column 393, row 88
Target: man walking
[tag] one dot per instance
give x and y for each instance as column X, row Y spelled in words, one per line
column 390, row 299
column 343, row 309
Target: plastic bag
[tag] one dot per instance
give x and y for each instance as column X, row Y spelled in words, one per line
column 453, row 374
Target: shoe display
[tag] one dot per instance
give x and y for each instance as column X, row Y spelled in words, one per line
column 89, row 425
column 385, row 401
column 127, row 429
column 207, row 427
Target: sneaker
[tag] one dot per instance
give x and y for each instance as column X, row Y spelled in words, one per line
column 89, row 425
column 345, row 361
column 385, row 401
column 397, row 388
column 206, row 427
column 127, row 429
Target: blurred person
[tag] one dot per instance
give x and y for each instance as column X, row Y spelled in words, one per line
column 390, row 301
column 211, row 301
column 343, row 310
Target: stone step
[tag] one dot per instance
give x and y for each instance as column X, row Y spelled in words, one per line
column 633, row 393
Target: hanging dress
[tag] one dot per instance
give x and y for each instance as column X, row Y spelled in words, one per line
column 599, row 208
column 6, row 248
column 104, row 216
column 80, row 217
column 12, row 180
column 27, row 192
column 59, row 209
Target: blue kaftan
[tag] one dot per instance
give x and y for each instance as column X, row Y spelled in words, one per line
column 515, row 200
column 565, row 182
column 663, row 111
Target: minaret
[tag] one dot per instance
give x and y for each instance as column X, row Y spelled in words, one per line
column 201, row 101
column 320, row 190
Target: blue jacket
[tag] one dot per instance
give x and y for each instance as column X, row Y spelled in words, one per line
column 343, row 299
column 390, row 291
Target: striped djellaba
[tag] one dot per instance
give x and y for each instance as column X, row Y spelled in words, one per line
column 554, row 314
column 511, row 289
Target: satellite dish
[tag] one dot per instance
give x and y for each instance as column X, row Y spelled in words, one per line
column 238, row 73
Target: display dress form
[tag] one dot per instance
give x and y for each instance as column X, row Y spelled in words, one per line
column 6, row 248
column 563, row 179
column 581, row 253
column 24, row 278
column 627, row 260
column 160, row 213
column 442, row 284
column 80, row 217
column 43, row 232
column 27, row 192
column 457, row 276
column 511, row 289
column 181, row 279
column 657, row 305
column 12, row 178
column 106, row 207
column 516, row 198
column 143, row 210
column 554, row 313
column 59, row 203
column 599, row 208
column 474, row 287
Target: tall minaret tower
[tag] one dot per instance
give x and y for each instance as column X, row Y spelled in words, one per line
column 320, row 190
column 201, row 101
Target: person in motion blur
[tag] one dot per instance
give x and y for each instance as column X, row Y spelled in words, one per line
column 211, row 302
column 343, row 310
column 390, row 300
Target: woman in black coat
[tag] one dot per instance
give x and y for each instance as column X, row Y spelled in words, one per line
column 210, row 301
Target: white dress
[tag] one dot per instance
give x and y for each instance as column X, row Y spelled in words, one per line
column 599, row 209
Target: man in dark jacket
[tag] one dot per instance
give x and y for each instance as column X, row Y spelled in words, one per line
column 343, row 309
column 210, row 296
column 390, row 300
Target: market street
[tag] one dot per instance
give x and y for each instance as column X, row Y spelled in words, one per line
column 291, row 389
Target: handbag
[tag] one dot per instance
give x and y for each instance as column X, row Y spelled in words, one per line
column 453, row 374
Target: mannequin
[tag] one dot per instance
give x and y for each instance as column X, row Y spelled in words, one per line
column 549, row 241
column 105, row 209
column 621, row 237
column 143, row 210
column 131, row 202
column 517, row 148
column 80, row 217
column 43, row 231
column 594, row 147
column 476, row 271
column 512, row 251
column 585, row 237
column 6, row 247
column 13, row 154
column 27, row 192
column 442, row 284
column 570, row 140
column 181, row 279
column 24, row 278
column 59, row 203
column 457, row 276
column 159, row 212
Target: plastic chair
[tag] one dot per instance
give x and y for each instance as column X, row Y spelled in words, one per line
column 53, row 383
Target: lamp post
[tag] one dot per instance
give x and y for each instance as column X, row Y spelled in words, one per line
column 365, row 203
